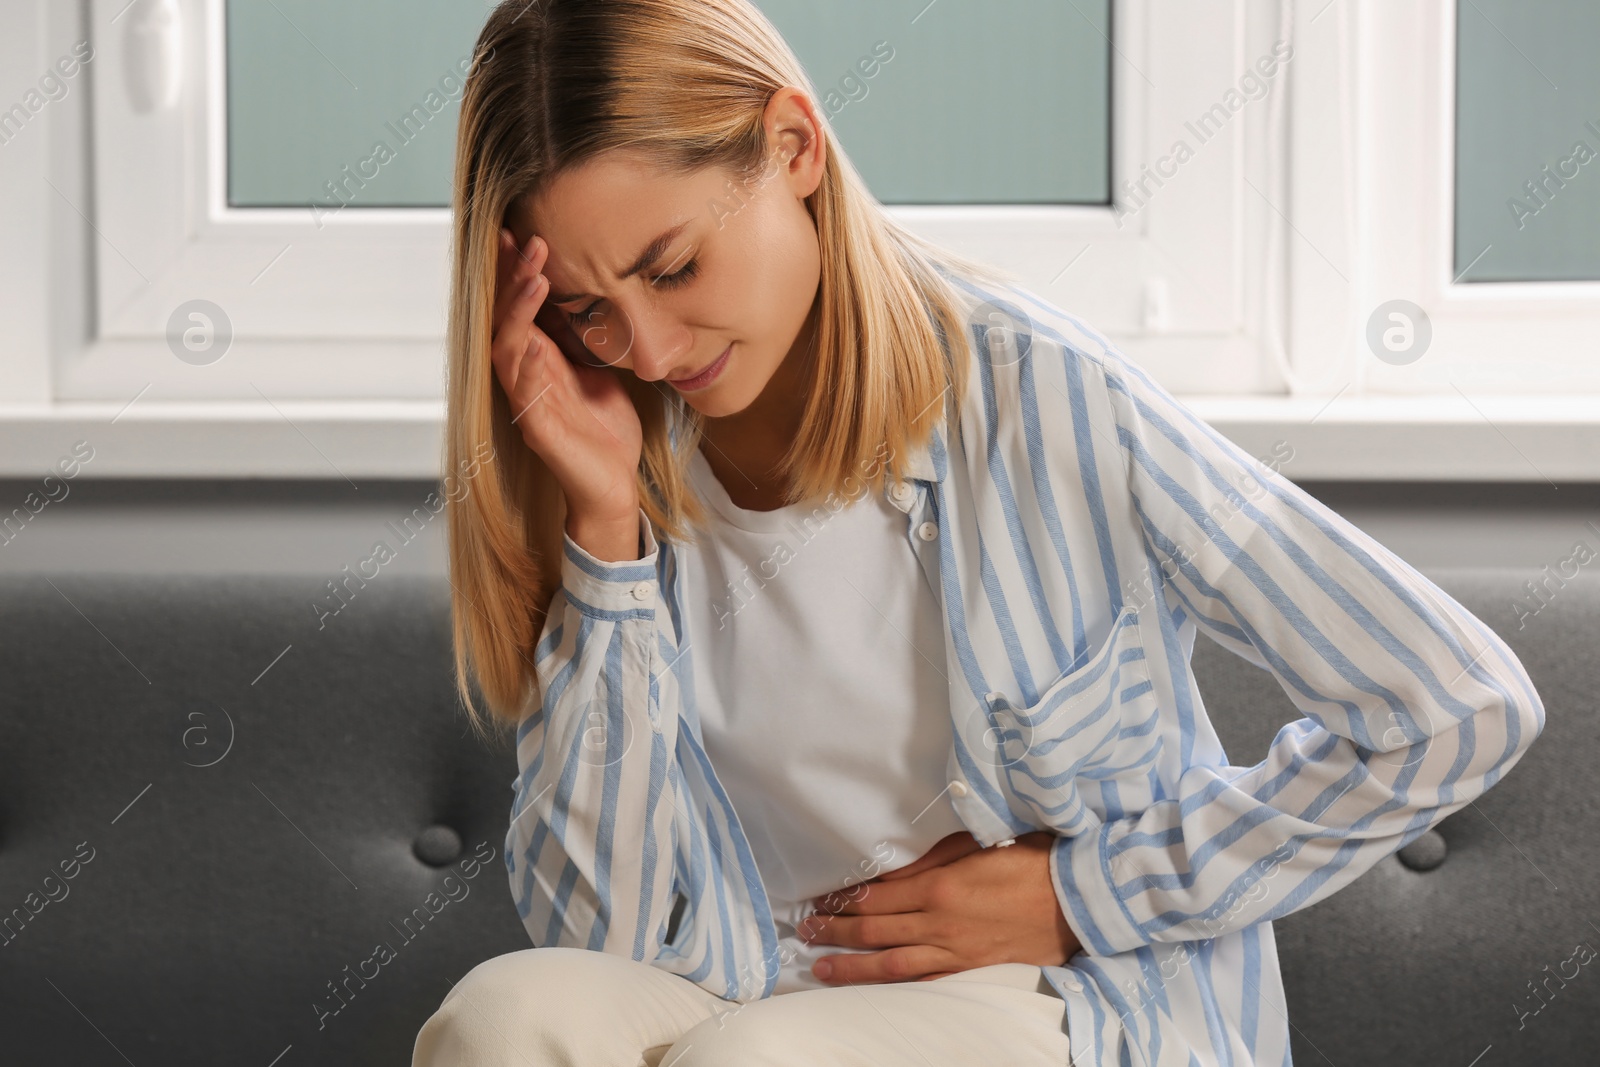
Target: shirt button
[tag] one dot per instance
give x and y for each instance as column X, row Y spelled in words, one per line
column 928, row 531
column 901, row 495
column 641, row 591
column 959, row 789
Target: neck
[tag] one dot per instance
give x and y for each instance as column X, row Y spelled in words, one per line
column 757, row 438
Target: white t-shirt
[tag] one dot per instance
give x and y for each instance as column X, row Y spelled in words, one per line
column 819, row 678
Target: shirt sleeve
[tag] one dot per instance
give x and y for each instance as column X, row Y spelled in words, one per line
column 1411, row 706
column 590, row 846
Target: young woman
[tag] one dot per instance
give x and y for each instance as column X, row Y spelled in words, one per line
column 841, row 594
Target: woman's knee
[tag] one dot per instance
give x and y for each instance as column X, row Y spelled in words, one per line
column 755, row 1032
column 553, row 979
column 520, row 1005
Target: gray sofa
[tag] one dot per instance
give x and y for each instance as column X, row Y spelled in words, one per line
column 231, row 833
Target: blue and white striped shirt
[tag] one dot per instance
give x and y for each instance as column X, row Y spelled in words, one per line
column 1087, row 525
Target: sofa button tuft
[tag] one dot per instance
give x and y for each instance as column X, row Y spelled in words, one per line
column 437, row 846
column 1425, row 853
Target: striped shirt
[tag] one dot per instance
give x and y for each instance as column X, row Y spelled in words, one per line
column 1085, row 525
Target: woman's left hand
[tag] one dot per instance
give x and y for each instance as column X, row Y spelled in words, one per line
column 956, row 907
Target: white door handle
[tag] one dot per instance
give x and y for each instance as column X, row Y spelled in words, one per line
column 152, row 54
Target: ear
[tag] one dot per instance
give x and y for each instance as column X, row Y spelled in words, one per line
column 795, row 128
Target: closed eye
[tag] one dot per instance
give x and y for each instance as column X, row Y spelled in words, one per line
column 681, row 277
column 675, row 280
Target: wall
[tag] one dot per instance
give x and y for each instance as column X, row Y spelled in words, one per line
column 318, row 527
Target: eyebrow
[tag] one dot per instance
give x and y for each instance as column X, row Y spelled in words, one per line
column 652, row 252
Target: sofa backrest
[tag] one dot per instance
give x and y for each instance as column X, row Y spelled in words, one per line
column 234, row 823
column 1458, row 943
column 225, row 789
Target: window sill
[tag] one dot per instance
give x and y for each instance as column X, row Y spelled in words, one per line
column 1509, row 438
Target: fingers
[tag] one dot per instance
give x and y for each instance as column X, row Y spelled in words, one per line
column 506, row 258
column 518, row 338
column 515, row 337
column 947, row 849
column 517, row 267
column 878, row 899
column 904, row 963
column 866, row 931
column 519, row 344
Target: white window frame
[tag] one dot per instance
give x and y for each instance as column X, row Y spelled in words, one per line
column 360, row 314
column 1272, row 353
column 308, row 332
column 1408, row 122
column 1371, row 197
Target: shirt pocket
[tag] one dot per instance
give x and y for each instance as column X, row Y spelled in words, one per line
column 1092, row 724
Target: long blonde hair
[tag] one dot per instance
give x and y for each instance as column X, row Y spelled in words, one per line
column 683, row 83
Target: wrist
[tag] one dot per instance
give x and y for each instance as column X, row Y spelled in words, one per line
column 611, row 538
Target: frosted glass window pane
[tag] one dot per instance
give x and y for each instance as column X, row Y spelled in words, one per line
column 1007, row 101
column 1527, row 140
column 316, row 86
column 355, row 101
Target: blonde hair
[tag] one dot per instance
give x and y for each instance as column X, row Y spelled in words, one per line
column 684, row 84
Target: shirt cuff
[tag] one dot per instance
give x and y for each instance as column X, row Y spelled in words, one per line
column 610, row 590
column 1080, row 870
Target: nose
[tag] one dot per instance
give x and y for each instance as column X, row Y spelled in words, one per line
column 656, row 342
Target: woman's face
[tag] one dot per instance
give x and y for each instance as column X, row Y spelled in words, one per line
column 716, row 266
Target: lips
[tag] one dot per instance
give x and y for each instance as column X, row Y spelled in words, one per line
column 704, row 377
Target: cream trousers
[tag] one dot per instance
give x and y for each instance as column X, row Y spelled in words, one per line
column 571, row 1007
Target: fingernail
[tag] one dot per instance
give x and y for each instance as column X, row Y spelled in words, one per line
column 823, row 969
